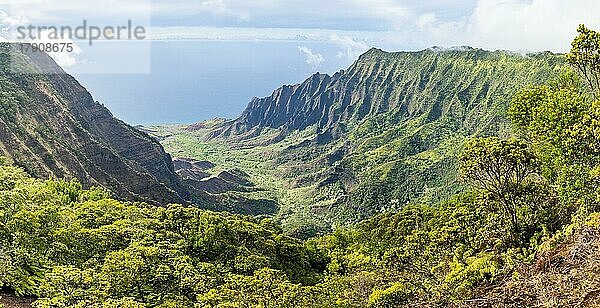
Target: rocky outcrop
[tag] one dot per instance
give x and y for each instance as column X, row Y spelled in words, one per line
column 183, row 163
column 191, row 169
column 194, row 174
column 51, row 126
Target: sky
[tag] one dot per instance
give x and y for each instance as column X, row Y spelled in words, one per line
column 208, row 58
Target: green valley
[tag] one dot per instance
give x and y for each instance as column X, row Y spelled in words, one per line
column 391, row 128
column 440, row 178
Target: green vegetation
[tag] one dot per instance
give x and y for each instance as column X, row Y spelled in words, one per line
column 584, row 58
column 528, row 194
column 72, row 247
column 404, row 150
column 505, row 170
column 51, row 127
column 75, row 247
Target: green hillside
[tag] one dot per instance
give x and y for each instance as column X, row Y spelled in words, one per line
column 524, row 232
column 52, row 127
column 389, row 133
column 75, row 247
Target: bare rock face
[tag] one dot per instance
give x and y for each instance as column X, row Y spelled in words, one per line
column 236, row 176
column 182, row 163
column 194, row 174
column 192, row 170
column 51, row 126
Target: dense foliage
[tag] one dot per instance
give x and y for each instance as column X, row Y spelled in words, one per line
column 75, row 247
column 529, row 192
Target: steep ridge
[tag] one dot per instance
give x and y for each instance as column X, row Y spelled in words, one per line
column 372, row 138
column 460, row 82
column 51, row 126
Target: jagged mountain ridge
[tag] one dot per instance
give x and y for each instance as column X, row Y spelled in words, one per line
column 406, row 84
column 51, row 126
column 383, row 133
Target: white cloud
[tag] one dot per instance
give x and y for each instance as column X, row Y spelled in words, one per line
column 220, row 8
column 70, row 12
column 530, row 25
column 217, row 8
column 518, row 25
column 354, row 25
column 312, row 59
column 9, row 20
column 398, row 15
column 351, row 48
column 269, row 34
column 64, row 58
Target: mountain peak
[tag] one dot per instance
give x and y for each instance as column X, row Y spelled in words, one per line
column 372, row 52
column 452, row 48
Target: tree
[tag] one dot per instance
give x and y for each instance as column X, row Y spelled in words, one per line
column 585, row 58
column 390, row 297
column 67, row 286
column 562, row 124
column 266, row 288
column 500, row 168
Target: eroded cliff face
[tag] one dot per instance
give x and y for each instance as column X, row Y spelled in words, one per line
column 383, row 133
column 51, row 126
column 468, row 85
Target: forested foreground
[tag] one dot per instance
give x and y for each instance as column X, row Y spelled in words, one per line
column 530, row 194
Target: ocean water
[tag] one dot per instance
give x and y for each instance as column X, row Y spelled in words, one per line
column 191, row 81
